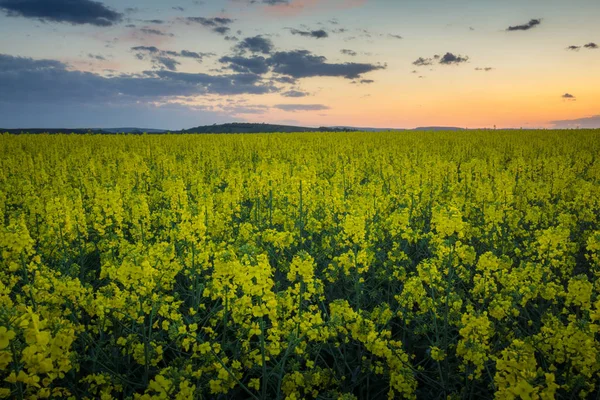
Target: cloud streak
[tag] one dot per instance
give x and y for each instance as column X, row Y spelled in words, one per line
column 318, row 34
column 294, row 93
column 290, row 8
column 218, row 25
column 301, row 107
column 164, row 58
column 446, row 59
column 525, row 27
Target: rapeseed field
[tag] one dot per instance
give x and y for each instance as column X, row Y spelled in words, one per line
column 317, row 265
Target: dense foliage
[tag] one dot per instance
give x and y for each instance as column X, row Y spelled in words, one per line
column 337, row 265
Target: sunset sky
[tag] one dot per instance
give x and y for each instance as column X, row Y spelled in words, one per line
column 363, row 63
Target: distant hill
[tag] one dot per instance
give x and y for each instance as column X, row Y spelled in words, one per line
column 234, row 127
column 244, row 127
column 420, row 128
column 365, row 129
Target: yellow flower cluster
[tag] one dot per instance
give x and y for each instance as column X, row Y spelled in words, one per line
column 319, row 265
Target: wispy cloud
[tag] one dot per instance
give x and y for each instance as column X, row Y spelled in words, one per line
column 422, row 62
column 157, row 32
column 301, row 107
column 318, row 34
column 290, row 8
column 294, row 93
column 446, row 59
column 218, row 25
column 165, row 58
column 525, row 27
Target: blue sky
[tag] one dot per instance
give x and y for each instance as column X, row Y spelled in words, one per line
column 82, row 63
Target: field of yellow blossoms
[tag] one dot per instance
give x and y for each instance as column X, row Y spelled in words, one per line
column 326, row 265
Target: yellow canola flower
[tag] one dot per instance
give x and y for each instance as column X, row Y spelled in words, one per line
column 5, row 337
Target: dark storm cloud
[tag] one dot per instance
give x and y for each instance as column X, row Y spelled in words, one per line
column 301, row 107
column 294, row 93
column 75, row 12
column 525, row 27
column 304, row 64
column 255, row 65
column 256, row 44
column 573, row 48
column 348, row 52
column 591, row 46
column 450, row 58
column 50, row 81
column 318, row 34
